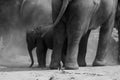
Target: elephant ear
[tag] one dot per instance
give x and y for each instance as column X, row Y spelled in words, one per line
column 61, row 13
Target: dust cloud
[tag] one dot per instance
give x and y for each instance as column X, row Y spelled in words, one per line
column 13, row 48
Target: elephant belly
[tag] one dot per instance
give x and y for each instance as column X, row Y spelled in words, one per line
column 49, row 40
column 101, row 14
column 49, row 44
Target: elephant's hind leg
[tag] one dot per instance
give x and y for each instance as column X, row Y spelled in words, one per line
column 77, row 26
column 59, row 38
column 59, row 35
column 103, row 53
column 83, row 49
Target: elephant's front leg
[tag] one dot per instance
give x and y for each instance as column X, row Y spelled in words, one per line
column 83, row 49
column 72, row 51
column 75, row 30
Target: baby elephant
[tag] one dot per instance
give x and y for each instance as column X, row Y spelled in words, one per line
column 35, row 39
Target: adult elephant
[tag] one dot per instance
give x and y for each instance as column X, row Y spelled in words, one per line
column 75, row 21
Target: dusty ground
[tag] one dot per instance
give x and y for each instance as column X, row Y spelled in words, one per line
column 84, row 73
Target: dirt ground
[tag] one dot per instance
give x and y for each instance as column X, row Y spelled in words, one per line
column 84, row 73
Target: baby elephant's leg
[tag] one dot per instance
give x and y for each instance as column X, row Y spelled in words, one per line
column 41, row 54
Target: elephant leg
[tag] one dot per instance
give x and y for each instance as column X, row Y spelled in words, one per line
column 30, row 47
column 58, row 43
column 41, row 55
column 31, row 56
column 58, row 36
column 83, row 49
column 104, row 42
column 72, row 50
column 77, row 26
column 118, row 26
column 64, row 51
column 74, row 36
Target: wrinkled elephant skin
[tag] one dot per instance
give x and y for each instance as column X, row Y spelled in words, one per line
column 80, row 17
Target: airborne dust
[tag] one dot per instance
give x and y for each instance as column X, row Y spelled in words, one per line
column 13, row 48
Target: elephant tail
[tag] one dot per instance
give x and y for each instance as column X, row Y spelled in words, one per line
column 21, row 8
column 30, row 46
column 60, row 15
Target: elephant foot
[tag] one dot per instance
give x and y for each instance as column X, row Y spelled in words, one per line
column 71, row 66
column 99, row 63
column 41, row 66
column 31, row 65
column 54, row 66
column 82, row 64
column 110, row 57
